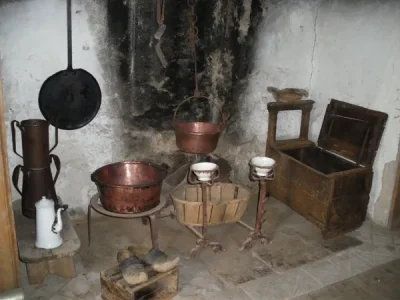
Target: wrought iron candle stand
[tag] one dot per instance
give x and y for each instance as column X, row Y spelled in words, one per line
column 261, row 170
column 205, row 178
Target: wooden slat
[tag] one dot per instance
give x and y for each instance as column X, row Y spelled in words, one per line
column 231, row 210
column 228, row 193
column 192, row 194
column 394, row 213
column 180, row 210
column 194, row 213
column 9, row 265
column 214, row 193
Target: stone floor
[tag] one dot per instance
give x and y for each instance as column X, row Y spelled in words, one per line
column 296, row 262
column 381, row 282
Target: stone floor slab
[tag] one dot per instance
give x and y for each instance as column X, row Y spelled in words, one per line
column 289, row 251
column 338, row 291
column 350, row 263
column 373, row 254
column 324, row 271
column 234, row 267
column 381, row 283
column 341, row 243
column 227, row 294
column 281, row 286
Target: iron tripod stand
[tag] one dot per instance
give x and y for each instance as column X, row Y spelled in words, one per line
column 202, row 240
column 257, row 233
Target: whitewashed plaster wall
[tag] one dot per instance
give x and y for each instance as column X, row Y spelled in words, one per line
column 347, row 50
column 33, row 46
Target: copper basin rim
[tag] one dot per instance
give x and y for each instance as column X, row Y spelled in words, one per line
column 129, row 187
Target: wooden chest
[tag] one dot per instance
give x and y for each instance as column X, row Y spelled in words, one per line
column 329, row 182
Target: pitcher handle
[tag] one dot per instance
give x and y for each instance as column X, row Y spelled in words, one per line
column 13, row 123
column 55, row 139
column 15, row 178
column 57, row 163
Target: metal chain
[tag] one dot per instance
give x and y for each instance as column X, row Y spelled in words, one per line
column 227, row 19
column 193, row 34
column 160, row 31
column 160, row 11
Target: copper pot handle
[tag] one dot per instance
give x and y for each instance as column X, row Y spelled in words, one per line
column 216, row 176
column 55, row 139
column 191, row 178
column 15, row 177
column 13, row 123
column 57, row 163
column 222, row 123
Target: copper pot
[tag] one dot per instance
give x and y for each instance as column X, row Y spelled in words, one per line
column 197, row 137
column 129, row 187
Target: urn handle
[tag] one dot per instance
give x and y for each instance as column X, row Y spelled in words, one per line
column 57, row 163
column 15, row 177
column 55, row 139
column 13, row 124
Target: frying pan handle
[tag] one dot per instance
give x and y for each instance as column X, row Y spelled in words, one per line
column 55, row 140
column 13, row 123
column 57, row 163
column 69, row 34
column 15, row 177
column 222, row 123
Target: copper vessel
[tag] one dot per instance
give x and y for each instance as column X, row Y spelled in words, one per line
column 197, row 137
column 129, row 187
column 36, row 183
column 35, row 142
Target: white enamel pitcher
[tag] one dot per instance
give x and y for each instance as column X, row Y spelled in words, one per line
column 48, row 224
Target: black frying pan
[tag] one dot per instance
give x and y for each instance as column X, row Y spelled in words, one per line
column 70, row 99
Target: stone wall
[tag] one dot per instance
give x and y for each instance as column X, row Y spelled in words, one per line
column 113, row 40
column 346, row 50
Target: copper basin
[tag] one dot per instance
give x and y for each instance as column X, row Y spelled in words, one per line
column 197, row 137
column 129, row 187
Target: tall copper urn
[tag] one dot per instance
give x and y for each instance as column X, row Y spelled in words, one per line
column 37, row 179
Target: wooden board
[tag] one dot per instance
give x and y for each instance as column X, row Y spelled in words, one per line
column 9, row 264
column 352, row 131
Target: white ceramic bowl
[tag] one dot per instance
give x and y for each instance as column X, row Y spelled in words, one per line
column 262, row 165
column 204, row 170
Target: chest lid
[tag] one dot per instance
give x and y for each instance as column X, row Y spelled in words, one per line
column 352, row 131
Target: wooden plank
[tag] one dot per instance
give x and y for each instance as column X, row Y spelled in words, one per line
column 214, row 193
column 394, row 214
column 9, row 263
column 37, row 272
column 279, row 106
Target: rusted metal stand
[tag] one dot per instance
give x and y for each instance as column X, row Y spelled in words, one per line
column 202, row 240
column 151, row 216
column 257, row 233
